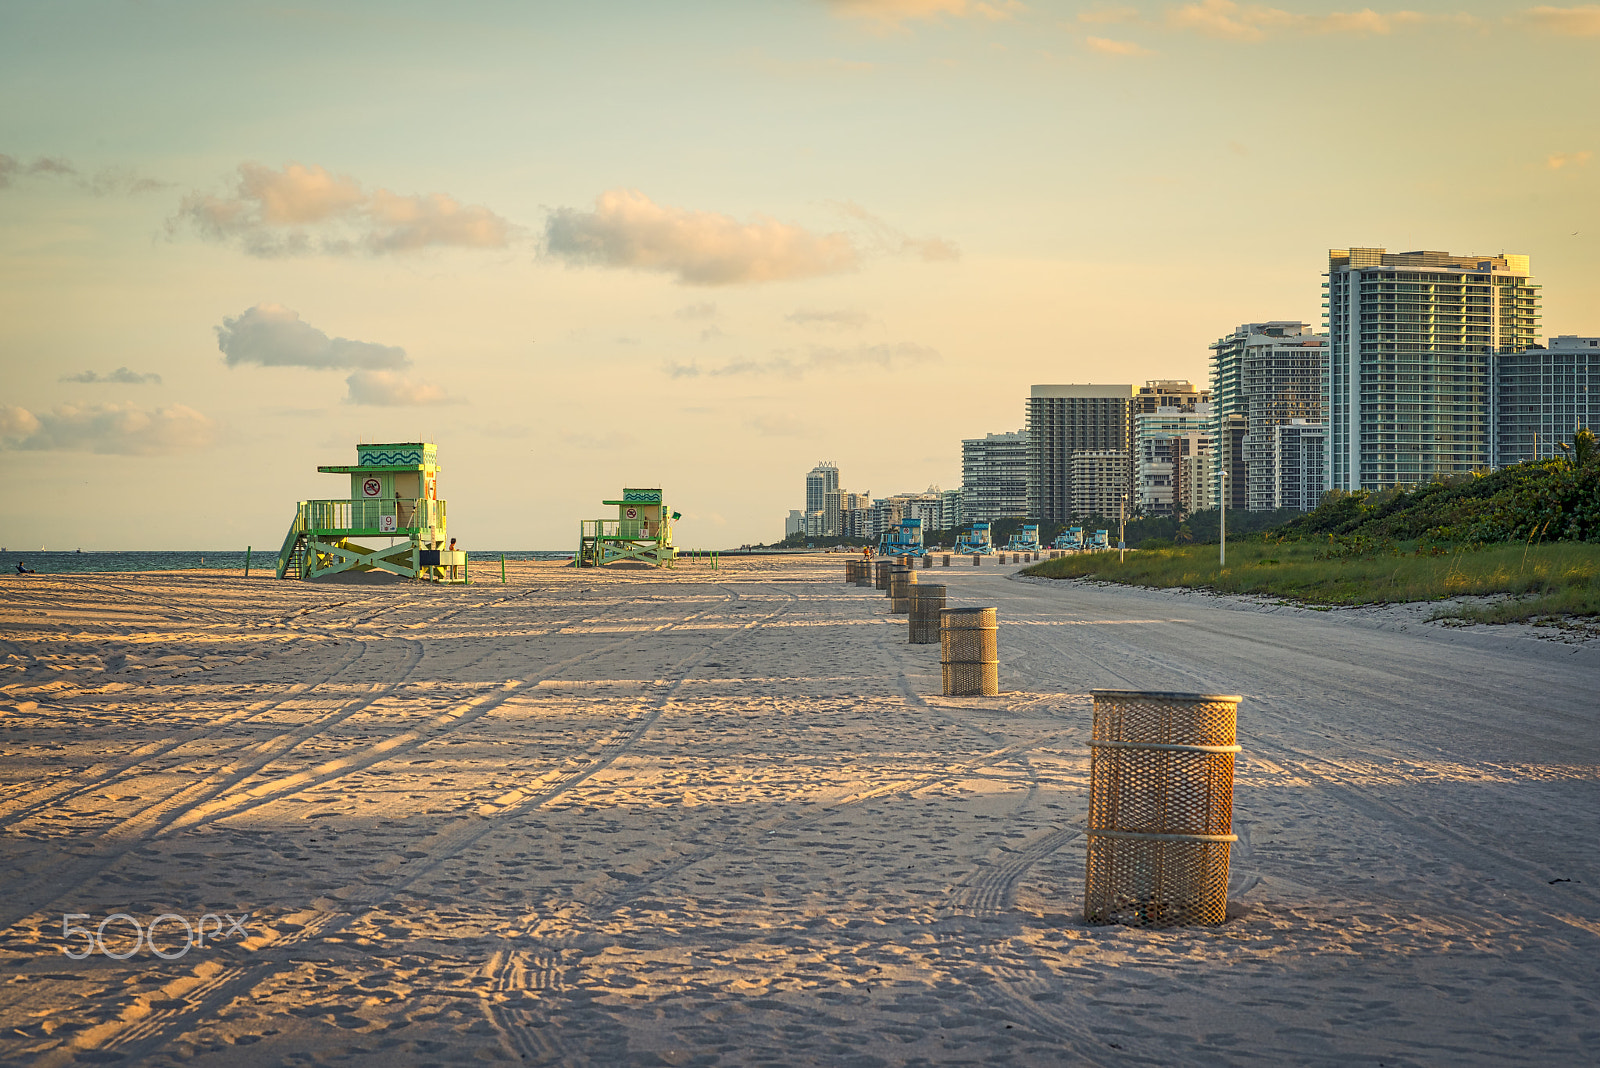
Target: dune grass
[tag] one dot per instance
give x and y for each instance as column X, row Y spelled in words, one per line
column 1560, row 579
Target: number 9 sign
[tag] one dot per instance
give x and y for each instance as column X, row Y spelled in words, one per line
column 371, row 488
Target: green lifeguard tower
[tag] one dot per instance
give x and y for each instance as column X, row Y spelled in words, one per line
column 394, row 492
column 642, row 531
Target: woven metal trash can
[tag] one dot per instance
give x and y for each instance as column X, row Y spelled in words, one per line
column 976, row 559
column 969, row 652
column 880, row 574
column 946, row 559
column 1160, row 808
column 864, row 573
column 901, row 580
column 927, row 562
column 927, row 602
column 850, row 572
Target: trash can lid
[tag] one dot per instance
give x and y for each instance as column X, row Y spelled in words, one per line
column 1167, row 695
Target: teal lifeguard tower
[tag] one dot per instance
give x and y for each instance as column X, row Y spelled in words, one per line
column 902, row 539
column 394, row 493
column 1026, row 540
column 642, row 532
column 976, row 542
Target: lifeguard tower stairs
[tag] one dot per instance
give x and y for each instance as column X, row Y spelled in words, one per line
column 642, row 532
column 976, row 542
column 393, row 494
column 1071, row 538
column 1026, row 540
column 902, row 539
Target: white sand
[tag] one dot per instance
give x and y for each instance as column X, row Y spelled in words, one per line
column 719, row 817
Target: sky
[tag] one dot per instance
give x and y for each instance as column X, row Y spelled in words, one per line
column 703, row 246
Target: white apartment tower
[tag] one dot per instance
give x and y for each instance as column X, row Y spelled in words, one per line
column 994, row 477
column 1262, row 375
column 1416, row 339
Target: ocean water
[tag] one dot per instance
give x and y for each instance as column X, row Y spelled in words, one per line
column 59, row 562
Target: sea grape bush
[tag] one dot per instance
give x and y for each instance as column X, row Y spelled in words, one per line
column 1551, row 500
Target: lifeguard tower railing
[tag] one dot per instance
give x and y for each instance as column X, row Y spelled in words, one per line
column 608, row 541
column 619, row 529
column 372, row 518
column 902, row 539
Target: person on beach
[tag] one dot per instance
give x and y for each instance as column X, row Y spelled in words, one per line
column 452, row 566
column 21, row 570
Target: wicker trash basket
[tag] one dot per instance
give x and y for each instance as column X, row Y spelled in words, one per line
column 927, row 602
column 1160, row 808
column 969, row 652
column 901, row 579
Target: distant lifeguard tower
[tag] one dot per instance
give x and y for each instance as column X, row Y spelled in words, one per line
column 394, row 490
column 902, row 539
column 1026, row 540
column 641, row 532
column 976, row 542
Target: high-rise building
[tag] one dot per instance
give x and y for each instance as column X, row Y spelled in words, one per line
column 1267, row 373
column 1544, row 394
column 795, row 523
column 1415, row 337
column 1162, row 438
column 1101, row 483
column 1299, row 456
column 821, row 480
column 1193, row 490
column 1063, row 421
column 994, row 477
column 1169, row 393
column 954, row 511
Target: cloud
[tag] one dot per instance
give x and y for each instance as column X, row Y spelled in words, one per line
column 1556, row 160
column 891, row 13
column 274, row 336
column 301, row 210
column 628, row 229
column 1227, row 20
column 893, row 241
column 1106, row 15
column 389, row 389
column 121, row 376
column 776, row 426
column 1108, row 47
column 104, row 182
column 113, row 429
column 817, row 358
column 1583, row 21
column 696, row 311
column 842, row 319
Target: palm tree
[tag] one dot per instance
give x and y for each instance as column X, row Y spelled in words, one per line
column 1584, row 448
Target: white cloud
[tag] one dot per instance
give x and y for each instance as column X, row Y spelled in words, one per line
column 116, row 429
column 1581, row 21
column 697, row 311
column 274, row 336
column 1556, row 160
column 817, row 358
column 894, row 241
column 890, row 13
column 1232, row 21
column 301, row 210
column 121, row 376
column 840, row 319
column 1107, row 47
column 390, row 389
column 104, row 182
column 628, row 229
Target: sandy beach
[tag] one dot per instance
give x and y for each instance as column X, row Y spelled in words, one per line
column 702, row 817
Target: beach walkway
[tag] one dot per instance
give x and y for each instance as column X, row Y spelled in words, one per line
column 702, row 817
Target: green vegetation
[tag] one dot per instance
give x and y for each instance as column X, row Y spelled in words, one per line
column 1560, row 579
column 1531, row 532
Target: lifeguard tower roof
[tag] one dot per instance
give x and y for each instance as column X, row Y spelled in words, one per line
column 389, row 456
